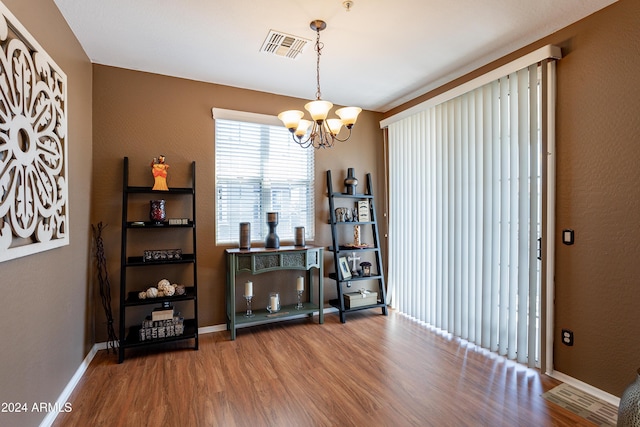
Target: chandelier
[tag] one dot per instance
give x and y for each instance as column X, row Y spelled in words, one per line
column 324, row 132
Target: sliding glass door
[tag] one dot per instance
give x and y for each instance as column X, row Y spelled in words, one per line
column 465, row 214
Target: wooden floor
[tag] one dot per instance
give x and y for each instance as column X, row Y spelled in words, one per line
column 373, row 370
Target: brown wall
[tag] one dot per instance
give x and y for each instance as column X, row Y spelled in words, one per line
column 598, row 144
column 140, row 115
column 46, row 310
column 598, row 196
column 50, row 318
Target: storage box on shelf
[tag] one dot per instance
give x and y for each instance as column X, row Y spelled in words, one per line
column 158, row 329
column 360, row 299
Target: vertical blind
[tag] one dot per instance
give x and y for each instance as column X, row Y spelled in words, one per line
column 259, row 169
column 465, row 212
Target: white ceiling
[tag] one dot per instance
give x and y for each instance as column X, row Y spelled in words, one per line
column 376, row 56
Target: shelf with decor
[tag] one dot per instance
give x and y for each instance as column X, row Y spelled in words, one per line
column 134, row 300
column 163, row 324
column 361, row 218
column 256, row 261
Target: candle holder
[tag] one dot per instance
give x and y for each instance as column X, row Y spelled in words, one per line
column 245, row 235
column 299, row 306
column 274, row 302
column 249, row 312
column 299, row 237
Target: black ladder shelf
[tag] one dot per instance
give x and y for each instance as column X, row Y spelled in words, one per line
column 341, row 249
column 130, row 336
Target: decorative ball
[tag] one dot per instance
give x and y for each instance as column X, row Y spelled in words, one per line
column 142, row 295
column 163, row 283
column 169, row 291
column 152, row 292
column 180, row 290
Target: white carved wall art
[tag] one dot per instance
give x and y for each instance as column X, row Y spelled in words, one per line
column 33, row 145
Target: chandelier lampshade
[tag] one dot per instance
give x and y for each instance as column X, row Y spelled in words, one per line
column 349, row 115
column 303, row 126
column 318, row 109
column 291, row 118
column 319, row 132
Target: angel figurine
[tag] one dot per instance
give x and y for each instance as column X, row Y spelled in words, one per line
column 159, row 170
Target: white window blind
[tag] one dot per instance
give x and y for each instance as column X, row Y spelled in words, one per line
column 465, row 215
column 259, row 169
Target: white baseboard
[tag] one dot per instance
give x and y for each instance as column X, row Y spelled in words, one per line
column 603, row 395
column 64, row 396
column 211, row 329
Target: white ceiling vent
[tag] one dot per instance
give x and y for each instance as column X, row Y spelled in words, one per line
column 282, row 44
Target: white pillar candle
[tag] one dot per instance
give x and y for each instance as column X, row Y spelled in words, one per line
column 248, row 289
column 300, row 284
column 274, row 303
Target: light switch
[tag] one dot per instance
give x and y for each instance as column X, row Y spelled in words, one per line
column 567, row 237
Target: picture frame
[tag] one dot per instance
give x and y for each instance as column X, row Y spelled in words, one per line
column 363, row 211
column 345, row 271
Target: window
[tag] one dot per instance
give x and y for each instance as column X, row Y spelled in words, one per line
column 259, row 169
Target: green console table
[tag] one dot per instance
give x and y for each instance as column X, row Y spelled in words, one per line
column 263, row 260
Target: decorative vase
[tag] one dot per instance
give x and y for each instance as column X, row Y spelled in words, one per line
column 629, row 408
column 350, row 181
column 245, row 235
column 272, row 240
column 299, row 236
column 157, row 212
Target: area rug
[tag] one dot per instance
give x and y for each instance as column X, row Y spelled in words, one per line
column 591, row 408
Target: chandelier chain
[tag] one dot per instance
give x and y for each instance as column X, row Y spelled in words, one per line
column 319, row 47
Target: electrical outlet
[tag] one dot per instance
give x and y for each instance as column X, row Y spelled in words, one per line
column 567, row 237
column 567, row 337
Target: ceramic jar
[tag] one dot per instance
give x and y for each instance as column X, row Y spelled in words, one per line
column 629, row 409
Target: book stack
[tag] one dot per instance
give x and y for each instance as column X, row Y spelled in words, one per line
column 164, row 313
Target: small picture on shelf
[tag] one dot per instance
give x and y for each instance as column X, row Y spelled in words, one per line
column 363, row 211
column 345, row 271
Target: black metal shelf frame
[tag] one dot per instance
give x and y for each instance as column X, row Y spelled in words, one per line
column 378, row 272
column 129, row 334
